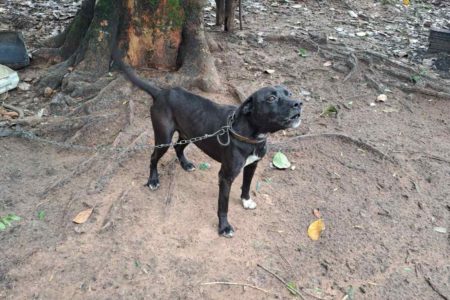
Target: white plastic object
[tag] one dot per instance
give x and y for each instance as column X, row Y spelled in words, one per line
column 9, row 79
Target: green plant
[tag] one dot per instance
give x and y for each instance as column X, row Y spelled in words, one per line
column 329, row 110
column 302, row 52
column 5, row 222
column 41, row 215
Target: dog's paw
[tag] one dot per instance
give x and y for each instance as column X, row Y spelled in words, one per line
column 188, row 166
column 227, row 231
column 153, row 184
column 248, row 203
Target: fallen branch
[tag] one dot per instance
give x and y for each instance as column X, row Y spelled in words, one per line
column 14, row 108
column 428, row 280
column 238, row 284
column 289, row 287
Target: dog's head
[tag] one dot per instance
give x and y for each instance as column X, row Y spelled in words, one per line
column 272, row 108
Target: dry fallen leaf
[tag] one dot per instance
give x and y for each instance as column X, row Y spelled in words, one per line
column 316, row 212
column 83, row 216
column 315, row 228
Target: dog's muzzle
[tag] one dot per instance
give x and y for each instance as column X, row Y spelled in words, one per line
column 294, row 118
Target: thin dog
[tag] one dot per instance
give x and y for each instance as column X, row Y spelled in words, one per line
column 267, row 110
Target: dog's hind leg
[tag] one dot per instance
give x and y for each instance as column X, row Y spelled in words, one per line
column 184, row 162
column 163, row 135
column 247, row 201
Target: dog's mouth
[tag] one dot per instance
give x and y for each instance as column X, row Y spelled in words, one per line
column 295, row 117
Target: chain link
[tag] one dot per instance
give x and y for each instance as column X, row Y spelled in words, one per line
column 31, row 136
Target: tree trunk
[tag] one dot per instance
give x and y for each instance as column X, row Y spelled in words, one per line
column 161, row 34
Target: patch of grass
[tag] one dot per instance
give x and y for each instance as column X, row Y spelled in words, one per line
column 41, row 215
column 6, row 221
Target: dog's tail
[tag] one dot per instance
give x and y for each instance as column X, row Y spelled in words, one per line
column 146, row 85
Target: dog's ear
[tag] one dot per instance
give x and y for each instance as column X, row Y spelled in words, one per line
column 247, row 106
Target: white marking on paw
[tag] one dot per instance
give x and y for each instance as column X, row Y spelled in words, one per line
column 248, row 203
column 251, row 159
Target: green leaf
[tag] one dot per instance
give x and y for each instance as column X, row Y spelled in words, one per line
column 302, row 52
column 280, row 161
column 137, row 263
column 6, row 221
column 204, row 166
column 2, row 226
column 329, row 110
column 13, row 217
column 291, row 288
column 41, row 215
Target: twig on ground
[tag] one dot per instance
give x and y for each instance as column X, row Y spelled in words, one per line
column 289, row 287
column 428, row 280
column 14, row 108
column 238, row 284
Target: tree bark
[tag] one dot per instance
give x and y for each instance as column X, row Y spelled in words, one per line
column 161, row 34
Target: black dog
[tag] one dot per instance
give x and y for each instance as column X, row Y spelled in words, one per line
column 176, row 110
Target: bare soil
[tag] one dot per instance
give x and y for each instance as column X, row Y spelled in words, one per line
column 380, row 203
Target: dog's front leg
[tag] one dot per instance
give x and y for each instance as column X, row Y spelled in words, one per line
column 247, row 201
column 226, row 179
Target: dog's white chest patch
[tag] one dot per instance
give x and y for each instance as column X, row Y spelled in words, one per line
column 251, row 159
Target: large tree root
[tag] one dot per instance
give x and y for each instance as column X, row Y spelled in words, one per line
column 379, row 66
column 343, row 137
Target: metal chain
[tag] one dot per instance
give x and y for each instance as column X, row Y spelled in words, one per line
column 31, row 136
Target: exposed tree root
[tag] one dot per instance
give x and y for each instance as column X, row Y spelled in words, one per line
column 78, row 170
column 111, row 215
column 98, row 185
column 352, row 62
column 343, row 137
column 14, row 108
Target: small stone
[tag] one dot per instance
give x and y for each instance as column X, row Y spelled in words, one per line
column 440, row 229
column 23, row 86
column 48, row 91
column 292, row 168
column 269, row 71
column 327, row 64
column 382, row 98
column 352, row 14
column 361, row 33
column 372, row 104
column 28, row 79
column 332, row 38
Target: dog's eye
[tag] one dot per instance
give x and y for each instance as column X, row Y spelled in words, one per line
column 272, row 98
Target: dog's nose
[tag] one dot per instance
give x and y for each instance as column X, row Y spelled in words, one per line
column 297, row 104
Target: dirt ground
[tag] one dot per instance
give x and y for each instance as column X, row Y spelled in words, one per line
column 383, row 204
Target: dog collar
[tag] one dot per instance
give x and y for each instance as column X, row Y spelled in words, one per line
column 246, row 139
